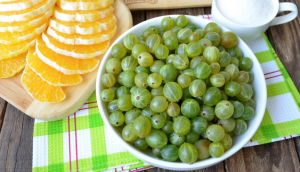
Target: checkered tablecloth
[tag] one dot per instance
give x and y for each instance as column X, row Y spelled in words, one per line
column 81, row 142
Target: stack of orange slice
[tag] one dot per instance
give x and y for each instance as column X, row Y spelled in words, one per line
column 78, row 32
column 21, row 22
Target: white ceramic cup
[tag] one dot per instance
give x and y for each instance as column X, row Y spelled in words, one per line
column 251, row 32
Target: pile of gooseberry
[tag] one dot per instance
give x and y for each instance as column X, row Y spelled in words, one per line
column 179, row 90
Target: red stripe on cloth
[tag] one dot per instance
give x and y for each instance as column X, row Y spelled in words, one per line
column 208, row 17
column 273, row 76
column 272, row 72
column 88, row 108
column 70, row 162
column 291, row 136
column 90, row 102
column 139, row 169
column 76, row 148
column 122, row 168
column 115, row 170
column 284, row 137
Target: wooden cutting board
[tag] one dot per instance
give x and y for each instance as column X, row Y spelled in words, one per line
column 165, row 4
column 13, row 92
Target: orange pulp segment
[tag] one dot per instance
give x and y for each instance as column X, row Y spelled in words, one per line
column 76, row 51
column 15, row 37
column 82, row 16
column 27, row 14
column 83, row 28
column 78, row 39
column 74, row 5
column 21, row 26
column 12, row 50
column 39, row 89
column 11, row 66
column 49, row 74
column 18, row 5
column 66, row 64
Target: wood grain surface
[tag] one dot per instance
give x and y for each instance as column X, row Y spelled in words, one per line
column 3, row 105
column 282, row 156
column 16, row 141
column 165, row 4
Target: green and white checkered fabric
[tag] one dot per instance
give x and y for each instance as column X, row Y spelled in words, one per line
column 282, row 117
column 81, row 142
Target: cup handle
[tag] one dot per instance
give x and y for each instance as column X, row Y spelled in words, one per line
column 285, row 6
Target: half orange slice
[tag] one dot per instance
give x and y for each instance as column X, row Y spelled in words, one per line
column 65, row 64
column 39, row 89
column 11, row 66
column 76, row 51
column 49, row 74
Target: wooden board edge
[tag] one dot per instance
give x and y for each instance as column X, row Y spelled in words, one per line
column 63, row 113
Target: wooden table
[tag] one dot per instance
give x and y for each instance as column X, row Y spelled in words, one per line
column 16, row 128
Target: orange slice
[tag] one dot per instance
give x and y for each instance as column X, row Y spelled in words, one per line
column 27, row 14
column 76, row 51
column 73, row 5
column 65, row 64
column 15, row 37
column 82, row 16
column 78, row 39
column 83, row 28
column 12, row 50
column 8, row 0
column 49, row 74
column 39, row 89
column 21, row 26
column 11, row 66
column 18, row 5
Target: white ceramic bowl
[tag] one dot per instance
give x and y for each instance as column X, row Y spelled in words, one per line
column 238, row 141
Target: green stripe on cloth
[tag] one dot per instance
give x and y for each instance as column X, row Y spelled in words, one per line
column 56, row 167
column 264, row 141
column 100, row 162
column 95, row 120
column 40, row 129
column 82, row 123
column 290, row 84
column 55, row 127
column 55, row 149
column 40, row 169
column 269, row 131
column 141, row 164
column 267, row 119
column 288, row 128
column 98, row 141
column 120, row 158
column 258, row 135
column 277, row 89
column 294, row 90
column 263, row 57
column 85, row 164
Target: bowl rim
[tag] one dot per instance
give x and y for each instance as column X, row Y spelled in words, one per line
column 179, row 165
